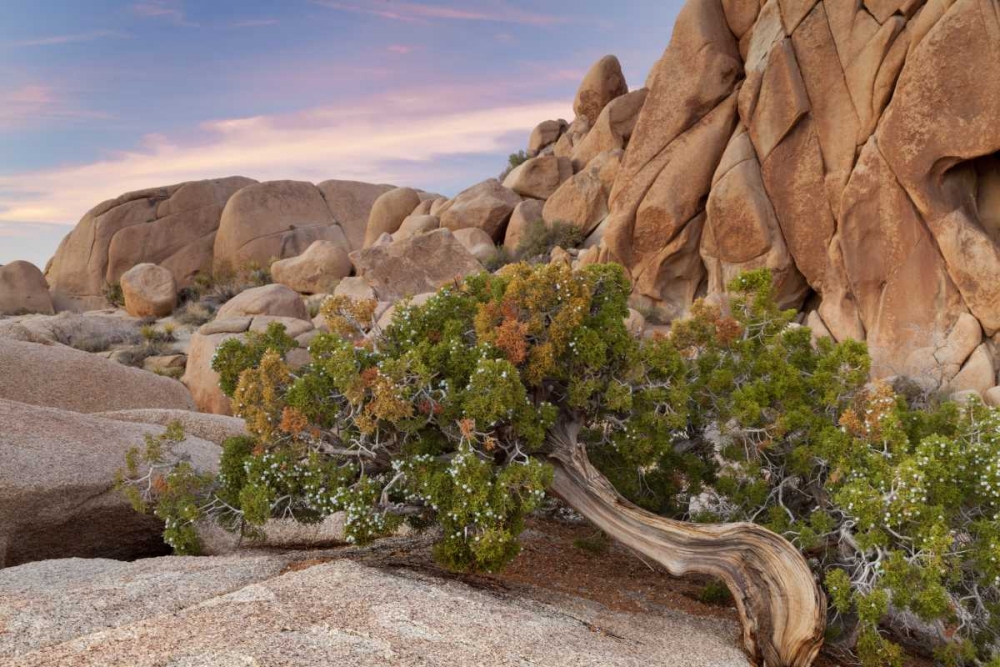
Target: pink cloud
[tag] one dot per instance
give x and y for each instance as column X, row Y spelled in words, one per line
column 69, row 39
column 386, row 138
column 415, row 12
column 401, row 49
column 31, row 104
column 171, row 10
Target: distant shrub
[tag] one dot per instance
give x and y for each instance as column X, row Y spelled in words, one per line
column 194, row 313
column 514, row 160
column 113, row 294
column 539, row 239
column 224, row 281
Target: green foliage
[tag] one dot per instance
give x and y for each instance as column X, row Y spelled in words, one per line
column 514, row 160
column 234, row 356
column 539, row 239
column 225, row 281
column 715, row 592
column 446, row 416
column 113, row 294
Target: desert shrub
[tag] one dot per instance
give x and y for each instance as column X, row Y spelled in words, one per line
column 164, row 334
column 113, row 294
column 445, row 418
column 539, row 239
column 514, row 160
column 194, row 313
column 234, row 356
column 225, row 281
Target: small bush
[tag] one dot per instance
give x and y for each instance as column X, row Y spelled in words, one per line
column 194, row 313
column 514, row 160
column 715, row 592
column 113, row 294
column 596, row 544
column 165, row 334
column 224, row 281
column 539, row 239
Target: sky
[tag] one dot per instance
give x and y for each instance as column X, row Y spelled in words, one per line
column 101, row 97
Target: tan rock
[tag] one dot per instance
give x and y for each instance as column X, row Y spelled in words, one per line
column 420, row 264
column 199, row 378
column 612, row 129
column 978, row 373
column 58, row 497
column 635, row 322
column 477, row 242
column 149, row 290
column 487, row 206
column 60, row 377
column 214, row 428
column 293, row 326
column 992, row 397
column 356, row 288
column 526, row 213
column 539, row 177
column 350, row 203
column 389, row 211
column 603, row 83
column 572, row 135
column 274, row 220
column 560, row 256
column 416, row 224
column 165, row 363
column 172, row 226
column 385, row 318
column 545, row 133
column 275, row 300
column 314, row 271
column 23, row 290
column 583, row 200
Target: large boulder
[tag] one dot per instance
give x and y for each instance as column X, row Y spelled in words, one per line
column 316, row 270
column 57, row 470
column 539, row 177
column 526, row 213
column 280, row 609
column 416, row 224
column 60, row 377
column 210, row 427
column 583, row 200
column 416, row 265
column 612, row 129
column 545, row 134
column 274, row 220
column 94, row 331
column 173, row 227
column 389, row 211
column 276, row 300
column 23, row 290
column 486, row 205
column 149, row 291
column 477, row 242
column 351, row 203
column 603, row 83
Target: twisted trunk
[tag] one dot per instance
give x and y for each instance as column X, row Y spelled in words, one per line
column 782, row 609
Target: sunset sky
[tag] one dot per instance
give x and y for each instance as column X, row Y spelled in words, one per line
column 99, row 97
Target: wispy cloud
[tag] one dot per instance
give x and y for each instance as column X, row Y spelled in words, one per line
column 415, row 12
column 31, row 104
column 169, row 10
column 255, row 23
column 401, row 49
column 53, row 40
column 388, row 138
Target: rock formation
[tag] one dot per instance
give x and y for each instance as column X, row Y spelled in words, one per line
column 149, row 291
column 23, row 290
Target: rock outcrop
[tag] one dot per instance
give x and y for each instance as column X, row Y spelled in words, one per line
column 23, row 290
column 60, row 377
column 845, row 146
column 486, row 205
column 316, row 271
column 172, row 226
column 273, row 300
column 57, row 470
column 270, row 609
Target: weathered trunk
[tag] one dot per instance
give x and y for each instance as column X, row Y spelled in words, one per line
column 782, row 609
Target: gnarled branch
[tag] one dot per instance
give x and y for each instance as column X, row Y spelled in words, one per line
column 782, row 609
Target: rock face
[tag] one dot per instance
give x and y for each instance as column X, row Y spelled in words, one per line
column 316, row 270
column 420, row 264
column 60, row 377
column 149, row 290
column 56, row 474
column 173, row 227
column 259, row 611
column 23, row 290
column 820, row 139
column 214, row 428
column 389, row 211
column 540, row 176
column 274, row 220
column 351, row 202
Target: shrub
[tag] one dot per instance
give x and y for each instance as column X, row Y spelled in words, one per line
column 113, row 294
column 514, row 161
column 194, row 313
column 224, row 281
column 539, row 239
column 448, row 415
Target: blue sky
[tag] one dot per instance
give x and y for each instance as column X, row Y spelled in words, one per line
column 99, row 97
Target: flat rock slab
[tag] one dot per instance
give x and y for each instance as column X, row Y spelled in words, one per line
column 201, row 612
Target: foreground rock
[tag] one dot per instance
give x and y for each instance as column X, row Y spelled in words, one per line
column 149, row 291
column 23, row 290
column 60, row 377
column 214, row 428
column 56, row 474
column 94, row 331
column 230, row 611
column 416, row 265
column 274, row 300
